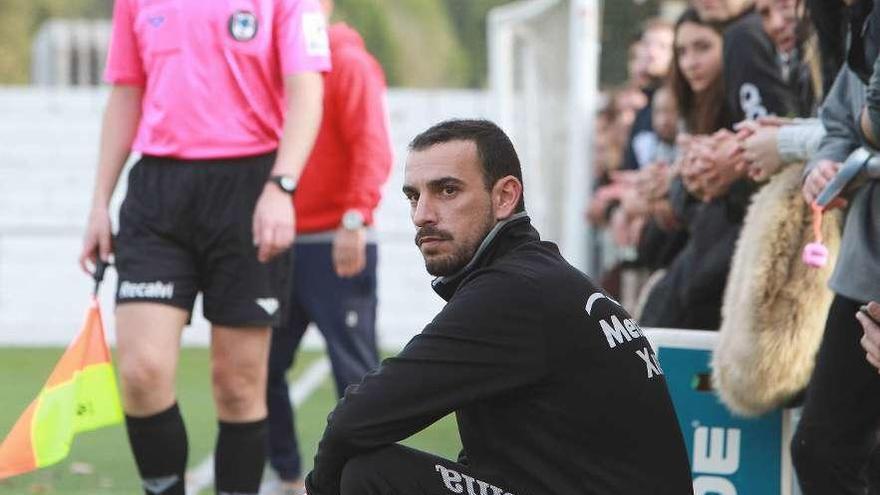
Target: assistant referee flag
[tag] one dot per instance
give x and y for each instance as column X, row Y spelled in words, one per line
column 80, row 395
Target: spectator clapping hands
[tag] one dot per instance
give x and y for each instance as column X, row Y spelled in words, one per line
column 758, row 141
column 712, row 164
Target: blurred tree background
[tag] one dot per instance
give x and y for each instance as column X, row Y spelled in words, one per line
column 420, row 43
column 622, row 23
column 19, row 22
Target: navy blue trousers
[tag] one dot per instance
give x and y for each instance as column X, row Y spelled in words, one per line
column 344, row 310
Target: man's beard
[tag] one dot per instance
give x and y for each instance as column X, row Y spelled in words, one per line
column 448, row 264
column 441, row 266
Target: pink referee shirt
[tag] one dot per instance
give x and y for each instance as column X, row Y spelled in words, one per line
column 213, row 70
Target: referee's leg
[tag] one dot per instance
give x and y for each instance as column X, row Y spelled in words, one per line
column 238, row 358
column 155, row 294
column 147, row 343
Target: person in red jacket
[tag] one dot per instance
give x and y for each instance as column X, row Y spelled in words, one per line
column 333, row 280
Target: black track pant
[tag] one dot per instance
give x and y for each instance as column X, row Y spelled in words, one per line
column 401, row 470
column 835, row 447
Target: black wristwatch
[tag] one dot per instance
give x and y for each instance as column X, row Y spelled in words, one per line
column 285, row 182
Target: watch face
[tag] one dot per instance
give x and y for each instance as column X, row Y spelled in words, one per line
column 352, row 220
column 287, row 184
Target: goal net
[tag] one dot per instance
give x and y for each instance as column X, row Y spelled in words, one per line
column 543, row 64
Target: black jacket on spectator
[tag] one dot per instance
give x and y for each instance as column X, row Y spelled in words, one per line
column 642, row 123
column 864, row 38
column 691, row 292
column 752, row 73
column 549, row 379
column 657, row 247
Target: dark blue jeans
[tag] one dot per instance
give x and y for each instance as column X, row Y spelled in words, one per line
column 344, row 310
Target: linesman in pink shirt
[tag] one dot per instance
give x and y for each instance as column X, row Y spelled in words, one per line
column 222, row 99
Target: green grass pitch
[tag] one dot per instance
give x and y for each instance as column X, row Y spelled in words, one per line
column 100, row 462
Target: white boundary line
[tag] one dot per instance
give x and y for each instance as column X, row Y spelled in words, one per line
column 202, row 476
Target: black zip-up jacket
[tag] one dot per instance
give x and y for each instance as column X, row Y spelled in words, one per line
column 752, row 74
column 554, row 388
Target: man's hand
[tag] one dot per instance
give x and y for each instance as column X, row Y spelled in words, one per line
column 729, row 165
column 349, row 251
column 625, row 230
column 600, row 202
column 774, row 121
column 273, row 227
column 761, row 153
column 746, row 128
column 818, row 178
column 658, row 177
column 625, row 177
column 97, row 242
column 871, row 338
column 715, row 164
column 664, row 216
column 634, row 203
column 692, row 165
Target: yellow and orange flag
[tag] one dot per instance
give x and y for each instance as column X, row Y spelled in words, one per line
column 80, row 395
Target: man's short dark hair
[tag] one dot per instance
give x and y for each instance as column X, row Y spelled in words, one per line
column 494, row 149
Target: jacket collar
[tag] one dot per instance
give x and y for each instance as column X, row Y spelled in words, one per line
column 504, row 236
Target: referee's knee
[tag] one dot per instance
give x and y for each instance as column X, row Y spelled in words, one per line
column 237, row 395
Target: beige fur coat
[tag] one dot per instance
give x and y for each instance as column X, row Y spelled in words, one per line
column 774, row 305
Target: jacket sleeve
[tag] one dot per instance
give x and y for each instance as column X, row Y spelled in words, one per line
column 873, row 92
column 124, row 63
column 755, row 87
column 359, row 99
column 799, row 141
column 841, row 132
column 487, row 340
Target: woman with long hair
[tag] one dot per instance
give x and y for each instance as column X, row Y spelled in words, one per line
column 689, row 294
column 696, row 74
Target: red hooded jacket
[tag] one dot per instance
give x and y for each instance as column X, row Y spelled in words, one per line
column 352, row 156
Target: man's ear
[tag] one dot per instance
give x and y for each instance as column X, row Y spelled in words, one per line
column 505, row 196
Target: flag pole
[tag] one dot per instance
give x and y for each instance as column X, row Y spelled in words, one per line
column 98, row 275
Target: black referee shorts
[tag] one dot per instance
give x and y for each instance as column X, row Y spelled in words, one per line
column 186, row 227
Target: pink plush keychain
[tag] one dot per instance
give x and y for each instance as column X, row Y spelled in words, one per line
column 815, row 253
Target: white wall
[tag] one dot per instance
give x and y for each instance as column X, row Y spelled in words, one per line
column 48, row 146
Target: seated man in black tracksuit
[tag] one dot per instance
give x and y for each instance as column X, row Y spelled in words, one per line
column 555, row 389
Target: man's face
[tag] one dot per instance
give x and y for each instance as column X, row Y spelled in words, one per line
column 637, row 65
column 780, row 21
column 719, row 10
column 657, row 50
column 449, row 204
column 629, row 101
column 664, row 115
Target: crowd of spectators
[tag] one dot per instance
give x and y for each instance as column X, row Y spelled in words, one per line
column 685, row 142
column 732, row 96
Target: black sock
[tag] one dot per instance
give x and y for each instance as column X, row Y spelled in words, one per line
column 239, row 457
column 159, row 445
